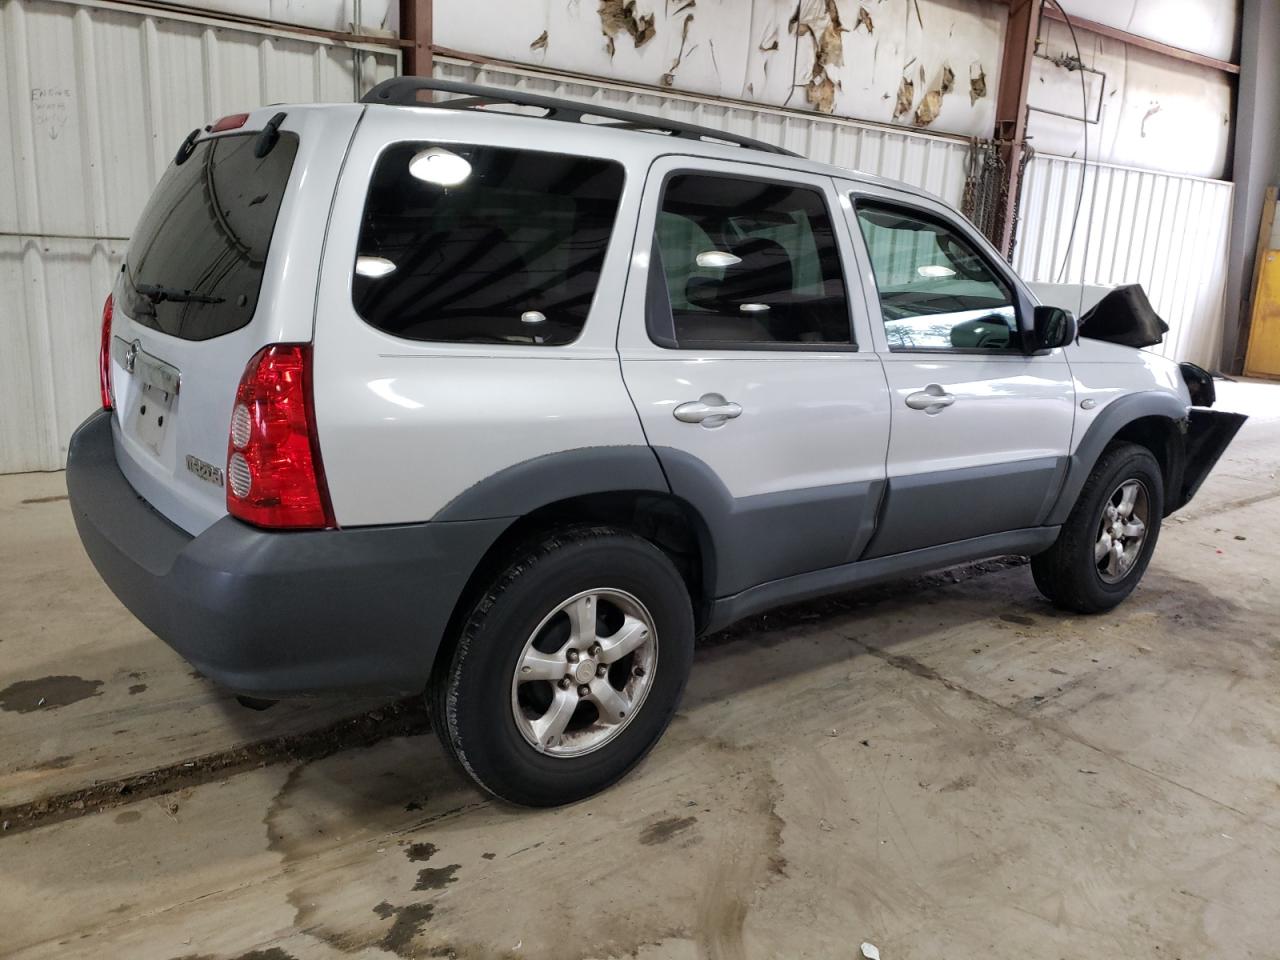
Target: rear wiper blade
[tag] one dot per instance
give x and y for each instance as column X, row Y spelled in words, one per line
column 158, row 294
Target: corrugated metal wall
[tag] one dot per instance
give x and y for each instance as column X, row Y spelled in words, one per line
column 936, row 163
column 95, row 100
column 1164, row 231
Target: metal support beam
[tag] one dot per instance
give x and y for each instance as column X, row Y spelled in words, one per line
column 1011, row 107
column 1146, row 43
column 416, row 30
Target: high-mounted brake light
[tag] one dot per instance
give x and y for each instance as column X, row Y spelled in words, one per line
column 274, row 475
column 233, row 121
column 104, row 354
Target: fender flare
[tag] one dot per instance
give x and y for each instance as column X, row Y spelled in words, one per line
column 518, row 490
column 1110, row 421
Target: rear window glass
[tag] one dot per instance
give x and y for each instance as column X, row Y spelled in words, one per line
column 477, row 244
column 195, row 263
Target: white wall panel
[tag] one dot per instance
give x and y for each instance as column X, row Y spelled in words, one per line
column 935, row 163
column 1153, row 111
column 1206, row 27
column 1166, row 232
column 94, row 101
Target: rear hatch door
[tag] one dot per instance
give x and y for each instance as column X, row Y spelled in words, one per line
column 223, row 261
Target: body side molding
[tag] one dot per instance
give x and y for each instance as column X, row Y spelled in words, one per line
column 947, row 506
column 773, row 535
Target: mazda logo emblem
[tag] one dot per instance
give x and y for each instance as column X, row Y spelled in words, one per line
column 131, row 355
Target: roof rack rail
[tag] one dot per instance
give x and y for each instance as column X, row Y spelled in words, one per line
column 403, row 92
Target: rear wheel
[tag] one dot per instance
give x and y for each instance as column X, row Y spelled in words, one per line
column 569, row 668
column 1104, row 547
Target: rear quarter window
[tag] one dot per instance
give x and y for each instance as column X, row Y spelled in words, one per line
column 477, row 244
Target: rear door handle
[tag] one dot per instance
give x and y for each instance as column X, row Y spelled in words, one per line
column 710, row 410
column 932, row 399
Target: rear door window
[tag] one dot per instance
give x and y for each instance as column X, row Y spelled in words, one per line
column 197, row 256
column 749, row 264
column 476, row 244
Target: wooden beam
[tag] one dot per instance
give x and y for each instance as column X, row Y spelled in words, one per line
column 1011, row 107
column 1265, row 224
column 416, row 30
column 1134, row 40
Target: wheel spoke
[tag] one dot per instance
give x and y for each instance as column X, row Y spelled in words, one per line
column 629, row 637
column 537, row 665
column 612, row 704
column 582, row 621
column 1134, row 528
column 1128, row 495
column 549, row 727
column 1102, row 548
column 1115, row 560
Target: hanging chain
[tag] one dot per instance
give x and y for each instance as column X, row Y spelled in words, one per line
column 986, row 189
column 983, row 185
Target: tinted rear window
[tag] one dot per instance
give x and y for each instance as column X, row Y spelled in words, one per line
column 483, row 245
column 206, row 231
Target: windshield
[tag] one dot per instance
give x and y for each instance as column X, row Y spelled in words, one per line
column 196, row 259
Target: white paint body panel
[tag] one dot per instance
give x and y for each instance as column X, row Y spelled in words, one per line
column 1007, row 407
column 1104, row 372
column 809, row 419
column 200, row 417
column 405, row 426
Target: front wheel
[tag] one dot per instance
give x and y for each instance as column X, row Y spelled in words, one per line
column 569, row 668
column 1104, row 547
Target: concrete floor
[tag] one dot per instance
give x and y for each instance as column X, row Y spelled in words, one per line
column 945, row 768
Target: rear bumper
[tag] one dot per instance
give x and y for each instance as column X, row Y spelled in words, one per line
column 268, row 613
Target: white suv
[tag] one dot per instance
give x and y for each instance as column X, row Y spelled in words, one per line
column 403, row 396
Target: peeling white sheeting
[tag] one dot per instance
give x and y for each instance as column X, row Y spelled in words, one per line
column 1156, row 113
column 1206, row 27
column 748, row 50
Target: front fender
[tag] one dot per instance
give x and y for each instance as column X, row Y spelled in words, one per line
column 1114, row 417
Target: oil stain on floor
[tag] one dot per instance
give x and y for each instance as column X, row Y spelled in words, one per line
column 47, row 693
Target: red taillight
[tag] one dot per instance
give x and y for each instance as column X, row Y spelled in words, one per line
column 231, row 122
column 104, row 355
column 274, row 475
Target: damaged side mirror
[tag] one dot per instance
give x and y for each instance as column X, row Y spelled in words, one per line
column 1053, row 328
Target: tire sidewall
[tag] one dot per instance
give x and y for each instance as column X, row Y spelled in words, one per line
column 1134, row 463
column 481, row 726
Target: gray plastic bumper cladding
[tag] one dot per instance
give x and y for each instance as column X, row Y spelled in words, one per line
column 275, row 613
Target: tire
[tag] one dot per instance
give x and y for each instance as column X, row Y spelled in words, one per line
column 622, row 590
column 1068, row 573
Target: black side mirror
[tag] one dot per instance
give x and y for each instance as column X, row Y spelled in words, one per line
column 1054, row 327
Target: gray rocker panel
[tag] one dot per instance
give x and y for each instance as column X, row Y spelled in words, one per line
column 929, row 509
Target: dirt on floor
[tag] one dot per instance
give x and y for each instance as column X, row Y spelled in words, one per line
column 945, row 767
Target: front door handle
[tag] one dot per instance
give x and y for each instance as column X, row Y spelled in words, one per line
column 932, row 399
column 711, row 410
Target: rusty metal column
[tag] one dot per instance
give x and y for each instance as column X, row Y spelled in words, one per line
column 1011, row 106
column 415, row 26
